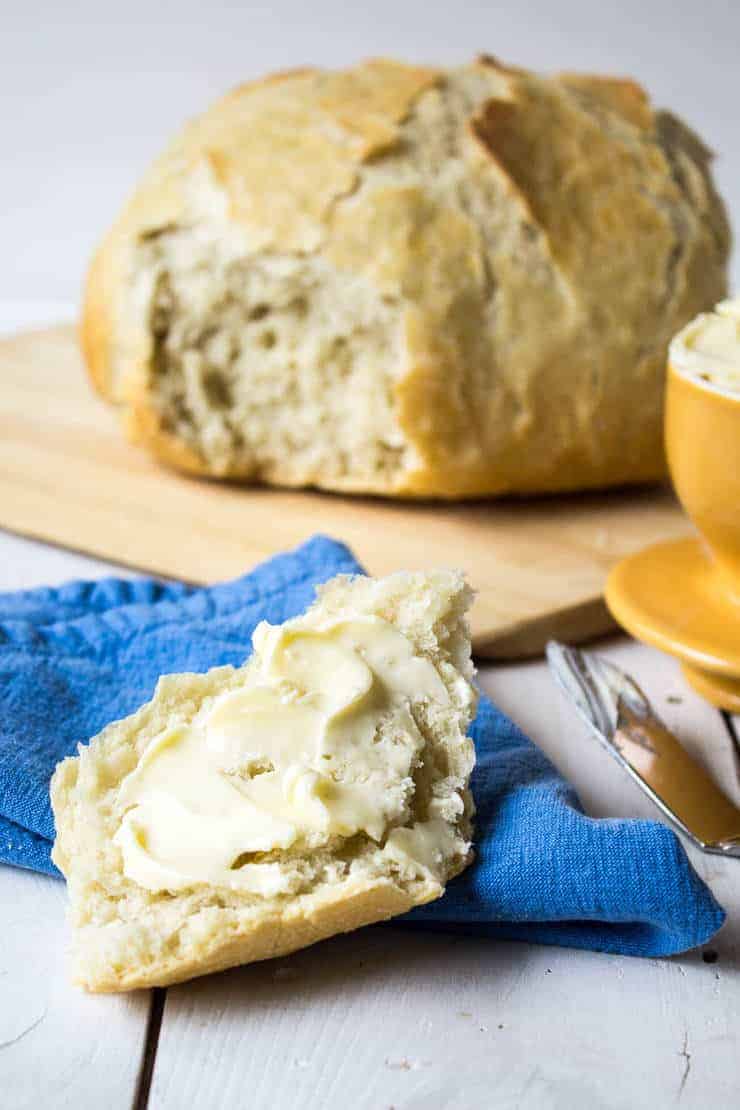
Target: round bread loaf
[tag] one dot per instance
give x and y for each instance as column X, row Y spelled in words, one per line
column 410, row 281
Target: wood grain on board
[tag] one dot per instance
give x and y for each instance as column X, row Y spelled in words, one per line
column 68, row 476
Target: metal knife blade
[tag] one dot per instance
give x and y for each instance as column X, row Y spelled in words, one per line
column 618, row 713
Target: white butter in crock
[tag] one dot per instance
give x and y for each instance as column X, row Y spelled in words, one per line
column 709, row 347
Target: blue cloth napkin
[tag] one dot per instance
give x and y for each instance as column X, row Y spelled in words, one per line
column 74, row 658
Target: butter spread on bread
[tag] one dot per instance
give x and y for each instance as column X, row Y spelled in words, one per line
column 250, row 811
column 318, row 742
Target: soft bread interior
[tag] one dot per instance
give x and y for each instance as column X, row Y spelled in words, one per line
column 269, row 364
column 409, row 281
column 127, row 936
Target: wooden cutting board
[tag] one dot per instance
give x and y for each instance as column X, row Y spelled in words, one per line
column 68, row 476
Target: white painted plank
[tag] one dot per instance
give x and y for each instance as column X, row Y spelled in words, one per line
column 526, row 693
column 384, row 1018
column 59, row 1047
column 26, row 563
column 388, row 1018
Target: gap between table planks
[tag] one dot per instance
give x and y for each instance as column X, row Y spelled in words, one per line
column 59, row 1047
column 387, row 1018
column 67, row 476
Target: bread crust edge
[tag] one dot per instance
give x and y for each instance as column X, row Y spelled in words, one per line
column 273, row 935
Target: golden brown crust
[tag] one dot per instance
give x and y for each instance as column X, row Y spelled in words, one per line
column 143, row 425
column 95, row 328
column 269, row 79
column 279, row 169
column 490, row 61
column 338, row 910
column 623, row 96
column 536, row 296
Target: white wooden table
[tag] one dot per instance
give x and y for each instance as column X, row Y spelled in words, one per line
column 385, row 1018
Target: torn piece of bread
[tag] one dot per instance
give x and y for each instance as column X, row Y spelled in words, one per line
column 410, row 281
column 247, row 812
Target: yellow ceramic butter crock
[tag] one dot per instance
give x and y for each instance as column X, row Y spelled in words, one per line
column 702, row 437
column 684, row 596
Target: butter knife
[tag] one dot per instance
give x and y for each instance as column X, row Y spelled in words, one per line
column 620, row 716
